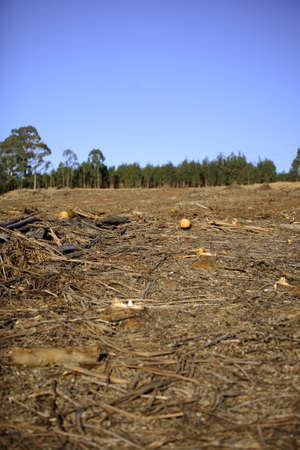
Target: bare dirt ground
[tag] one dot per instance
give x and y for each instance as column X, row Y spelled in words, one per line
column 212, row 361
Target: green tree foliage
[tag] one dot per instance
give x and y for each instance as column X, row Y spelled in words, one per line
column 113, row 180
column 235, row 169
column 3, row 177
column 23, row 164
column 15, row 157
column 266, row 171
column 130, row 175
column 98, row 170
column 295, row 168
column 184, row 174
column 148, row 176
column 23, row 153
column 69, row 166
column 168, row 175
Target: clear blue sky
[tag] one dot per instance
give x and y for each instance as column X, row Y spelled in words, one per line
column 154, row 80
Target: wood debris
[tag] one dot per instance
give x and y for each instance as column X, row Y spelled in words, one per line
column 283, row 285
column 44, row 356
column 235, row 224
column 123, row 339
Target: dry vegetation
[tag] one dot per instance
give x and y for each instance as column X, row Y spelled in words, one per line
column 213, row 359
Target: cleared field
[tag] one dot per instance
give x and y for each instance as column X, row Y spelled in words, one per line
column 210, row 359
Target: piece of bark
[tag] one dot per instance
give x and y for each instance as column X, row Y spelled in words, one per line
column 113, row 221
column 75, row 255
column 43, row 356
column 20, row 223
column 92, row 242
column 7, row 224
column 38, row 233
column 66, row 249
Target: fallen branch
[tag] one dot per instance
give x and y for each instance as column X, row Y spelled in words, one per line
column 55, row 237
column 101, row 376
column 238, row 225
column 20, row 223
column 79, row 212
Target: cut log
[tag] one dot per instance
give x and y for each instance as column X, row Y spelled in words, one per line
column 57, row 356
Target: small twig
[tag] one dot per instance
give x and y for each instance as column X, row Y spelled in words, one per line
column 44, row 415
column 148, row 289
column 3, row 269
column 58, row 417
column 96, row 375
column 55, row 237
column 22, row 334
column 79, row 438
column 219, row 223
column 159, row 262
column 110, row 287
column 79, row 423
column 202, row 206
column 22, row 426
column 115, row 435
column 166, row 373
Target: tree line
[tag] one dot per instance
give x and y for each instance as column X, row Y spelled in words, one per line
column 24, row 163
